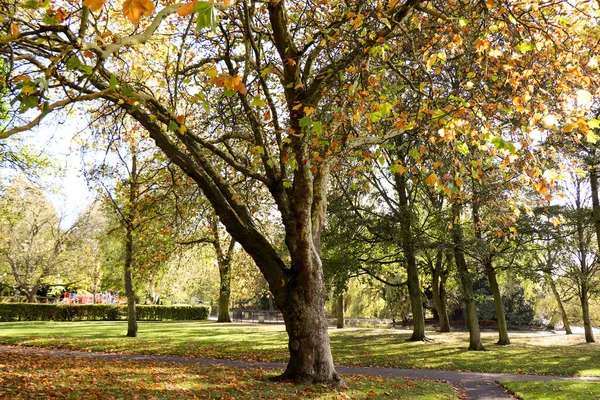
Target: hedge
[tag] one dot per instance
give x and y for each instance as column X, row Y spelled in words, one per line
column 96, row 312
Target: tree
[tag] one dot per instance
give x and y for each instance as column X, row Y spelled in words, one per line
column 32, row 243
column 285, row 113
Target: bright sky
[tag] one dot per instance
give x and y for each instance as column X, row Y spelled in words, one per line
column 68, row 192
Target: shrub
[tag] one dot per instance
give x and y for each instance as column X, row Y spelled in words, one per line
column 103, row 312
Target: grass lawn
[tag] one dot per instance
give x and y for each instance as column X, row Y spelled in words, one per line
column 553, row 390
column 35, row 377
column 529, row 352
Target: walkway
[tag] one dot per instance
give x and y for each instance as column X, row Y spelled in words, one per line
column 476, row 385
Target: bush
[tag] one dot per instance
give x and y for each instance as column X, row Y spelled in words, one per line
column 97, row 312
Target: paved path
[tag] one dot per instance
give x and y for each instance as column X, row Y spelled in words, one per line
column 476, row 385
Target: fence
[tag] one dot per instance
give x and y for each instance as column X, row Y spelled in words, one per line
column 259, row 316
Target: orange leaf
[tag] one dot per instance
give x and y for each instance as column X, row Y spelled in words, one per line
column 187, row 9
column 14, row 30
column 94, row 5
column 134, row 9
column 431, row 179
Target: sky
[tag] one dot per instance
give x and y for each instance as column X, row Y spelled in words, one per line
column 67, row 191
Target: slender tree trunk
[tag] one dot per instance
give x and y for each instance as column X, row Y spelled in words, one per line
column 466, row 281
column 492, row 279
column 132, row 326
column 585, row 308
column 561, row 307
column 224, row 293
column 502, row 326
column 408, row 247
column 339, row 310
column 586, row 271
column 439, row 292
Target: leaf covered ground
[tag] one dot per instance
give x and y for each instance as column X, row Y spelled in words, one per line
column 30, row 376
column 529, row 353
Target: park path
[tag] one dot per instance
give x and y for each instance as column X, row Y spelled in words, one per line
column 475, row 385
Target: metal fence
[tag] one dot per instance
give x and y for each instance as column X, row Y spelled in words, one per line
column 258, row 316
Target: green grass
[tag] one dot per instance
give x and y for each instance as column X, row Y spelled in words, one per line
column 528, row 353
column 35, row 377
column 554, row 390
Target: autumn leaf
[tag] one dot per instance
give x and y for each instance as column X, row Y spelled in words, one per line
column 398, row 169
column 14, row 30
column 134, row 9
column 431, row 179
column 94, row 5
column 187, row 9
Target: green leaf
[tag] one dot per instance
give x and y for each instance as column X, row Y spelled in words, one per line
column 414, row 153
column 591, row 137
column 258, row 102
column 498, row 142
column 306, row 121
column 524, row 47
column 229, row 92
column 594, row 123
column 206, row 15
column 374, row 116
column 438, row 114
column 462, row 147
column 580, row 172
column 113, row 83
column 173, row 126
column 318, row 127
column 386, row 109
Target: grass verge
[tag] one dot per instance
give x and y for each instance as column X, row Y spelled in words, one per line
column 35, row 377
column 530, row 353
column 554, row 390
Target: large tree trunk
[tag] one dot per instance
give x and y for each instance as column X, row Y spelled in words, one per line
column 493, row 281
column 31, row 295
column 561, row 307
column 466, row 281
column 585, row 308
column 438, row 287
column 306, row 324
column 408, row 247
column 339, row 310
column 502, row 326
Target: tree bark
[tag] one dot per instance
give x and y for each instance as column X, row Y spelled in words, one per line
column 466, row 281
column 408, row 247
column 492, row 279
column 224, row 261
column 585, row 308
column 340, row 311
column 224, row 293
column 502, row 326
column 132, row 327
column 306, row 324
column 438, row 287
column 561, row 307
column 31, row 296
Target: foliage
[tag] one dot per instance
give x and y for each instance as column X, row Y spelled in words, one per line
column 36, row 376
column 530, row 352
column 96, row 312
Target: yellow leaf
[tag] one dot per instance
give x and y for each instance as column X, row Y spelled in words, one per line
column 555, row 221
column 94, row 5
column 187, row 8
column 134, row 9
column 431, row 179
column 308, row 111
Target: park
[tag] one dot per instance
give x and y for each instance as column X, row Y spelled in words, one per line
column 239, row 199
